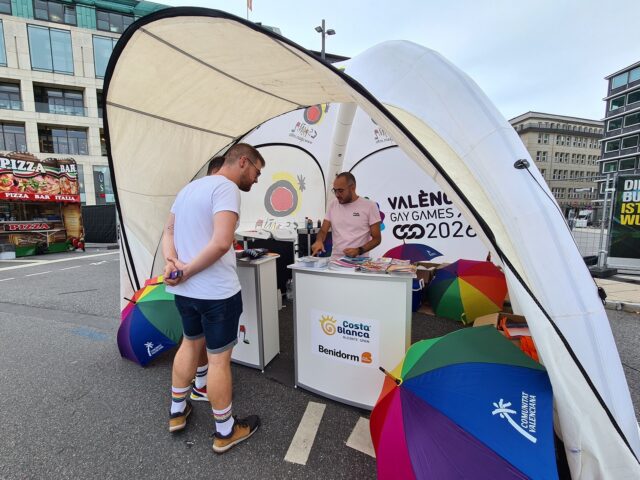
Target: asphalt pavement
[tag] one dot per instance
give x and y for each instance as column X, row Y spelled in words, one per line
column 73, row 408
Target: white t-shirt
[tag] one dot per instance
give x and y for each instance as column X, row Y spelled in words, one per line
column 194, row 208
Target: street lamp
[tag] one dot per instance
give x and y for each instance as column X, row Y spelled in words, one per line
column 321, row 30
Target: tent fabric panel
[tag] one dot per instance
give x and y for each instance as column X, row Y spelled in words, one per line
column 594, row 449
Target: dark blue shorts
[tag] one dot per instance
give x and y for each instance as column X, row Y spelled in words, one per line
column 216, row 320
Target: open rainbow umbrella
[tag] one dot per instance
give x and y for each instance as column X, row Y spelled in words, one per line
column 466, row 405
column 466, row 290
column 414, row 252
column 150, row 323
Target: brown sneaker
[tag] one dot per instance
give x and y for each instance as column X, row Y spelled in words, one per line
column 242, row 429
column 177, row 421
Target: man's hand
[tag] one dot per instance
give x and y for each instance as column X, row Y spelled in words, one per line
column 172, row 265
column 317, row 247
column 351, row 252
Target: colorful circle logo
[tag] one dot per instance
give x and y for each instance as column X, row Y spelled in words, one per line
column 282, row 198
column 314, row 114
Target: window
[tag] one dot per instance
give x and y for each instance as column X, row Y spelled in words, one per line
column 632, row 119
column 545, row 138
column 102, row 48
column 630, row 142
column 633, row 97
column 614, row 124
column 5, row 6
column 544, row 156
column 609, row 167
column 10, row 96
column 55, row 100
column 12, row 138
column 627, row 163
column 50, row 49
column 63, row 140
column 102, row 183
column 617, row 102
column 634, row 75
column 612, row 146
column 619, row 80
column 3, row 52
column 103, row 144
column 83, row 196
column 99, row 102
column 54, row 12
column 112, row 22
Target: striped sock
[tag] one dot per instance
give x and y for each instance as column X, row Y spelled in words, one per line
column 224, row 420
column 179, row 398
column 201, row 376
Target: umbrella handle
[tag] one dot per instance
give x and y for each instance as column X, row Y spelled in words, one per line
column 388, row 374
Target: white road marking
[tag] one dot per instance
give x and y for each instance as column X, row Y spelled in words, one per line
column 42, row 262
column 360, row 438
column 69, row 268
column 98, row 263
column 5, row 279
column 305, row 435
column 39, row 273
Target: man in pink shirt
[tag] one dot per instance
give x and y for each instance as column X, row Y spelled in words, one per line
column 354, row 221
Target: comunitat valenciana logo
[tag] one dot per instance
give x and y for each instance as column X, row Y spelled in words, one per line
column 151, row 349
column 525, row 423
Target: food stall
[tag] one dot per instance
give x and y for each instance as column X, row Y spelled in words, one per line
column 39, row 203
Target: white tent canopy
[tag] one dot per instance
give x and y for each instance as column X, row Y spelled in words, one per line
column 185, row 83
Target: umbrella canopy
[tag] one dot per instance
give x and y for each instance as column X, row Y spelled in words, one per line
column 414, row 252
column 150, row 323
column 466, row 405
column 466, row 290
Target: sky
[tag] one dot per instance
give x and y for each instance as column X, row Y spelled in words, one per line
column 546, row 56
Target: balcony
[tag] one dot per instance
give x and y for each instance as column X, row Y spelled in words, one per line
column 74, row 110
column 6, row 104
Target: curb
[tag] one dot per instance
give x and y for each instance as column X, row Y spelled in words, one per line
column 622, row 306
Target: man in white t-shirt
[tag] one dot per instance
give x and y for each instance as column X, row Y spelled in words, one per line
column 354, row 221
column 200, row 271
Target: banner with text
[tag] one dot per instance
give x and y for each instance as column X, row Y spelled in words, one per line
column 625, row 225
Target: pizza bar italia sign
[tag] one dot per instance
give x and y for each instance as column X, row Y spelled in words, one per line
column 24, row 177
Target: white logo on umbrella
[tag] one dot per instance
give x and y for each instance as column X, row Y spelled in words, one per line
column 504, row 411
column 149, row 346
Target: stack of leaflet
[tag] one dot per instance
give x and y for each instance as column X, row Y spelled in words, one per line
column 346, row 264
column 402, row 268
column 378, row 265
column 313, row 262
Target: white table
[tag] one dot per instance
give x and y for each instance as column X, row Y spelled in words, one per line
column 346, row 325
column 259, row 332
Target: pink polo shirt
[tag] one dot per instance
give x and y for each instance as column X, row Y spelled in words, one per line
column 350, row 223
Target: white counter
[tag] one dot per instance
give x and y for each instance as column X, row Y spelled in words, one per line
column 259, row 332
column 346, row 325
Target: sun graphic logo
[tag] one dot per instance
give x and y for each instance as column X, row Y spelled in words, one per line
column 366, row 357
column 328, row 324
column 314, row 114
column 283, row 197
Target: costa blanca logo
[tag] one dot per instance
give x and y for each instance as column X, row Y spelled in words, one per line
column 151, row 350
column 527, row 424
column 328, row 324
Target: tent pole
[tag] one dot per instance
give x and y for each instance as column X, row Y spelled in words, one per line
column 339, row 143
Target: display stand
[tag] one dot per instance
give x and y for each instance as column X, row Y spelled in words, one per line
column 259, row 332
column 346, row 325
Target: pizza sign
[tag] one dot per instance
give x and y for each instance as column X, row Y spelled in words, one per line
column 25, row 227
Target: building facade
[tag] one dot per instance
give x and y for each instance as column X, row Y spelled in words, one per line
column 620, row 146
column 53, row 57
column 566, row 150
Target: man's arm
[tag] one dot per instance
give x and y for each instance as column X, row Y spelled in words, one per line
column 224, row 225
column 318, row 245
column 168, row 246
column 376, row 238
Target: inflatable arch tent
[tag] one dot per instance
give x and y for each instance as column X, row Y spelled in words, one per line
column 185, row 83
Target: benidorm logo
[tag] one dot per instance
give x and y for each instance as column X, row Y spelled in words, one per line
column 366, row 357
column 328, row 324
column 527, row 425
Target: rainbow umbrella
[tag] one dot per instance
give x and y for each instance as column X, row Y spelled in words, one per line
column 466, row 405
column 150, row 323
column 466, row 290
column 414, row 252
